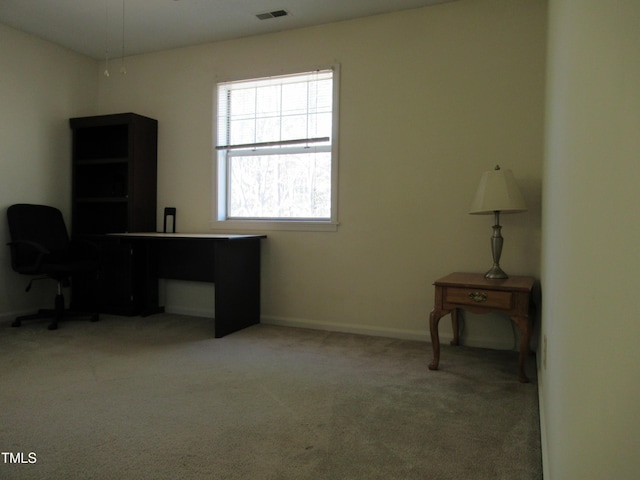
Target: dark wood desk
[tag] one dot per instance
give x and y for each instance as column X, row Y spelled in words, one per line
column 474, row 292
column 232, row 262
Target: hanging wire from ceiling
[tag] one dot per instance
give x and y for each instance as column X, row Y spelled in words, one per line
column 123, row 70
column 106, row 39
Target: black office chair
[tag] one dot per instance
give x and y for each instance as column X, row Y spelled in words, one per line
column 40, row 245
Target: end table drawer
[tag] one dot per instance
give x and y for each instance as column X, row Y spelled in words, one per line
column 479, row 298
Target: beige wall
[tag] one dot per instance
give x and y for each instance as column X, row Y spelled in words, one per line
column 41, row 86
column 588, row 383
column 430, row 98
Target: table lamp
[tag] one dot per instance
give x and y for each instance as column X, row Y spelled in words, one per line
column 498, row 192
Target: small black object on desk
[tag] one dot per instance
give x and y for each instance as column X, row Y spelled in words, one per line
column 169, row 212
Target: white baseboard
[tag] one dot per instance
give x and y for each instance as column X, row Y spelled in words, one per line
column 488, row 342
column 192, row 312
column 315, row 325
column 347, row 328
column 543, row 430
column 421, row 336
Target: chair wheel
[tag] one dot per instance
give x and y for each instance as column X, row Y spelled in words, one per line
column 95, row 317
column 53, row 326
column 16, row 323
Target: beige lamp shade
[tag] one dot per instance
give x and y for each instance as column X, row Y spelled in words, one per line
column 498, row 192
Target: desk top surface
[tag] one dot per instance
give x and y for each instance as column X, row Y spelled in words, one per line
column 478, row 280
column 202, row 236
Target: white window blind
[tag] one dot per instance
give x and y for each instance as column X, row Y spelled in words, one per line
column 282, row 110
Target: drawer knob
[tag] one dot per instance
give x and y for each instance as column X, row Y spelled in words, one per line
column 478, row 297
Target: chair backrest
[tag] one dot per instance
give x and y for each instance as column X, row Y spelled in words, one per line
column 40, row 224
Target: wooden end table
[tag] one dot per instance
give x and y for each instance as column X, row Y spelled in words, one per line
column 477, row 294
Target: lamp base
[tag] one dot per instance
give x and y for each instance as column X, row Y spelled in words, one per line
column 496, row 273
column 496, row 249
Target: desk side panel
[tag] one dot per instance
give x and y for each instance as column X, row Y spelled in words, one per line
column 237, row 289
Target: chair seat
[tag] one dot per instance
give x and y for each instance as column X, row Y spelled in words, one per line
column 68, row 268
column 57, row 269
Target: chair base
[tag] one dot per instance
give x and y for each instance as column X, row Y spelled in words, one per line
column 56, row 314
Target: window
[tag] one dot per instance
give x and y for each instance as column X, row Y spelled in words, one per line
column 276, row 149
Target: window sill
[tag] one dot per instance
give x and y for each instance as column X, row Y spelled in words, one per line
column 259, row 225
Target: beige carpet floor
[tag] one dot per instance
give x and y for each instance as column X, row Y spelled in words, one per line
column 160, row 398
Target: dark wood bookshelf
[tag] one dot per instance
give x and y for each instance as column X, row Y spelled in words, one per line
column 114, row 190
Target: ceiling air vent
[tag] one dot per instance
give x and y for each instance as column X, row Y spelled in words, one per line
column 274, row 14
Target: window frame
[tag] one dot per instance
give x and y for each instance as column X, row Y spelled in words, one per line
column 220, row 218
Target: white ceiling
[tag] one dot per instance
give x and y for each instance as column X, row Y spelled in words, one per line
column 152, row 25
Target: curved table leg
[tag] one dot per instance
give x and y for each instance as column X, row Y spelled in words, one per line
column 525, row 338
column 434, row 319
